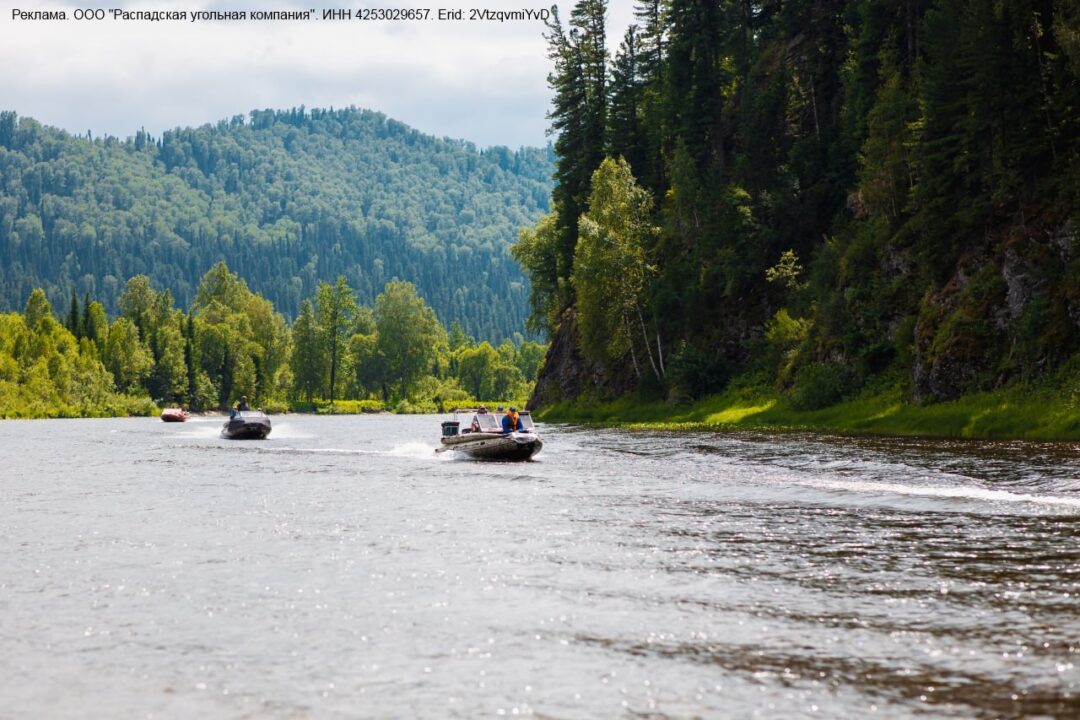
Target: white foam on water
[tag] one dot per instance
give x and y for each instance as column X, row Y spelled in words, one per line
column 955, row 493
column 201, row 430
column 287, row 431
column 326, row 451
column 417, row 450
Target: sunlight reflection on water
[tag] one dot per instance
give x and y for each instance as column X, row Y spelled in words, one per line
column 342, row 568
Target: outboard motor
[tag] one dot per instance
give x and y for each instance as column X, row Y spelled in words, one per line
column 450, row 428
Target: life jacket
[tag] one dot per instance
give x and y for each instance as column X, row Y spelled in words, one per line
column 513, row 421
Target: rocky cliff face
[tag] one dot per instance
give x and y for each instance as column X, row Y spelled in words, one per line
column 1009, row 311
column 565, row 373
column 568, row 375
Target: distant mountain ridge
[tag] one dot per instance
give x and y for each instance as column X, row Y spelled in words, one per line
column 287, row 198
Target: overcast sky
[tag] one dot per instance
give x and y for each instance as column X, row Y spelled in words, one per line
column 480, row 81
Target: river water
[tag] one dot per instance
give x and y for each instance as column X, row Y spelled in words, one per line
column 342, row 569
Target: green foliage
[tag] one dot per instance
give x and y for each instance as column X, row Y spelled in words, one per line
column 923, row 160
column 336, row 312
column 537, row 251
column 610, row 268
column 289, row 198
column 578, row 116
column 46, row 372
column 239, row 342
column 784, row 335
column 308, row 360
column 697, row 370
column 37, row 308
column 410, row 337
column 126, row 357
column 963, row 347
column 886, row 161
column 786, row 271
column 234, row 344
column 1048, row 410
column 457, row 336
column 528, row 358
column 367, row 362
column 476, row 368
column 819, row 385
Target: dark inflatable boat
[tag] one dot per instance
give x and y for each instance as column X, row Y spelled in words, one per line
column 246, row 425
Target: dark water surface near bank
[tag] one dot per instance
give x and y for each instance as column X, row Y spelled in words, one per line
column 341, row 569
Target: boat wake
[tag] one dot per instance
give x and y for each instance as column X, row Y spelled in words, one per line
column 408, row 450
column 949, row 493
column 287, row 431
column 417, row 450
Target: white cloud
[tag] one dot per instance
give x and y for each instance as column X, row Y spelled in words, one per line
column 482, row 81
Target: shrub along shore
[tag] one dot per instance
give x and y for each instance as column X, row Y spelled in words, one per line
column 1015, row 413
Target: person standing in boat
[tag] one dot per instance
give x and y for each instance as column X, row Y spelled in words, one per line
column 241, row 405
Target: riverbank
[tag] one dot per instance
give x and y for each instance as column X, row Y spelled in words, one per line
column 1021, row 412
column 27, row 408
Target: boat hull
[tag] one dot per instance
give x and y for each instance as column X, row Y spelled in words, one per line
column 495, row 446
column 246, row 429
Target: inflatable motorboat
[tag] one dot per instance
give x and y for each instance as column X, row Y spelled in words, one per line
column 483, row 438
column 246, row 425
column 174, row 415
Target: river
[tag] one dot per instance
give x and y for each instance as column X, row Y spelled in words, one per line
column 342, row 569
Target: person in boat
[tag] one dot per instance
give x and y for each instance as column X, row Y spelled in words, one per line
column 243, row 404
column 511, row 421
column 475, row 427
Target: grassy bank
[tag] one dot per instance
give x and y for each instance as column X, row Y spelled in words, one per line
column 1039, row 413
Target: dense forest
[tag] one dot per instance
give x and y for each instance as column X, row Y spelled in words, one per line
column 820, row 197
column 232, row 343
column 289, row 199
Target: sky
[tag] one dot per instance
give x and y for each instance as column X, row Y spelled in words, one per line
column 482, row 81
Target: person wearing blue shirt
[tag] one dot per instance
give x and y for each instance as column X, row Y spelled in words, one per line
column 512, row 421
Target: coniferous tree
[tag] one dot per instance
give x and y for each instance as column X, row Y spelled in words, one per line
column 651, row 57
column 73, row 322
column 579, row 117
column 626, row 135
column 191, row 364
column 308, row 360
column 336, row 311
column 92, row 213
column 695, row 79
column 84, row 320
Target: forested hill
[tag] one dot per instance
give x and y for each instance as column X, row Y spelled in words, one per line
column 818, row 197
column 286, row 198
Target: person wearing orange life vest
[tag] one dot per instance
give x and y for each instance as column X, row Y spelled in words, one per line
column 512, row 421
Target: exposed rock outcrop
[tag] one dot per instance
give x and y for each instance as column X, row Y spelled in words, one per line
column 567, row 375
column 1007, row 311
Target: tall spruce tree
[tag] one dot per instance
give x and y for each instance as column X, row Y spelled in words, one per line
column 626, row 136
column 579, row 119
column 74, row 318
column 308, row 359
